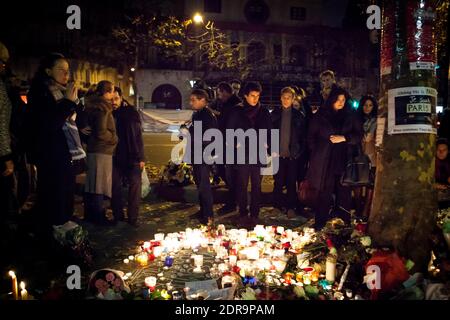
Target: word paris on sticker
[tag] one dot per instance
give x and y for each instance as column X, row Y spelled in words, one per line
column 73, row 22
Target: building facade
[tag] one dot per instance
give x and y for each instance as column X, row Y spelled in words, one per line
column 285, row 43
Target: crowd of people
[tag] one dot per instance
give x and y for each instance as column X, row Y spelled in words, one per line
column 318, row 136
column 56, row 135
column 62, row 135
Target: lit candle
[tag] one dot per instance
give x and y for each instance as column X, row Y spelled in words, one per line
column 252, row 253
column 23, row 291
column 146, row 246
column 150, row 282
column 142, row 259
column 159, row 237
column 126, row 261
column 233, row 260
column 157, row 251
column 131, row 258
column 15, row 289
column 198, row 262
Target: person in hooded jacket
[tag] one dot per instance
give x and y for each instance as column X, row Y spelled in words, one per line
column 101, row 145
column 332, row 134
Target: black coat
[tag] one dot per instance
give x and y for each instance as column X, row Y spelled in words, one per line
column 297, row 142
column 130, row 147
column 46, row 140
column 225, row 109
column 327, row 159
column 208, row 121
column 238, row 119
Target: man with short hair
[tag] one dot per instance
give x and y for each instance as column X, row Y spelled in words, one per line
column 291, row 123
column 203, row 116
column 128, row 160
column 250, row 115
column 226, row 101
column 327, row 83
column 236, row 86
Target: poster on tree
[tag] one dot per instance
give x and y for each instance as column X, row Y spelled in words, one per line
column 412, row 110
column 421, row 45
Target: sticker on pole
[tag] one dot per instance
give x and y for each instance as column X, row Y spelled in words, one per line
column 412, row 110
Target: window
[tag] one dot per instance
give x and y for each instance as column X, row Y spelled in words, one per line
column 256, row 52
column 256, row 11
column 298, row 13
column 213, row 6
column 277, row 51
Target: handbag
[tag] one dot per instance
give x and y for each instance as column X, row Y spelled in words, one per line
column 358, row 171
column 307, row 194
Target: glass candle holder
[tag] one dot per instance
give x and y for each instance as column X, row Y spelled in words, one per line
column 150, row 282
column 168, row 261
column 159, row 236
column 198, row 262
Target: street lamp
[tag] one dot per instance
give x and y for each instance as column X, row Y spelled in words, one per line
column 197, row 18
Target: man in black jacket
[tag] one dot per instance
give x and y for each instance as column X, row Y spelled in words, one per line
column 250, row 115
column 203, row 117
column 226, row 101
column 292, row 132
column 128, row 160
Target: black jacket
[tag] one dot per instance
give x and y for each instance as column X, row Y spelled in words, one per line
column 239, row 119
column 46, row 141
column 297, row 143
column 225, row 109
column 327, row 159
column 130, row 147
column 208, row 121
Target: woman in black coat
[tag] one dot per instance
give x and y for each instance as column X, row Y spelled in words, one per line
column 52, row 101
column 331, row 134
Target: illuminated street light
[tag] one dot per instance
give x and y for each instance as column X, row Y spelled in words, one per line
column 198, row 18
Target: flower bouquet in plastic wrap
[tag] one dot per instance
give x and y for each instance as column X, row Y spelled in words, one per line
column 177, row 174
column 108, row 284
column 74, row 243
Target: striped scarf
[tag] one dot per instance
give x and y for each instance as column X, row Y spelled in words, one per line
column 69, row 128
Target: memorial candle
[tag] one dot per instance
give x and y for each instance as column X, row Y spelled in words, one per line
column 23, row 291
column 15, row 289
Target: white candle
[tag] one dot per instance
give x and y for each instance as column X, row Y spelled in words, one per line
column 23, row 291
column 15, row 289
column 330, row 274
column 198, row 262
column 252, row 253
column 157, row 251
column 233, row 260
column 150, row 282
column 159, row 237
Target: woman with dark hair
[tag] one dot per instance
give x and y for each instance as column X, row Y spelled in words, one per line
column 331, row 133
column 52, row 101
column 368, row 109
column 100, row 148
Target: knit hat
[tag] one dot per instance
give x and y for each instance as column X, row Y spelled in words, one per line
column 4, row 54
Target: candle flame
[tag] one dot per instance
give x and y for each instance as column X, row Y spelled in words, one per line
column 22, row 285
column 12, row 274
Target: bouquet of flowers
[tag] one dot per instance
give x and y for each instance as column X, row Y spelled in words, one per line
column 108, row 284
column 178, row 174
column 73, row 241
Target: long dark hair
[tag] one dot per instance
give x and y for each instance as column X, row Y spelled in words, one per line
column 334, row 95
column 47, row 62
column 374, row 111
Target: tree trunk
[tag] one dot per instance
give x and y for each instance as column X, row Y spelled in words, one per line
column 405, row 202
